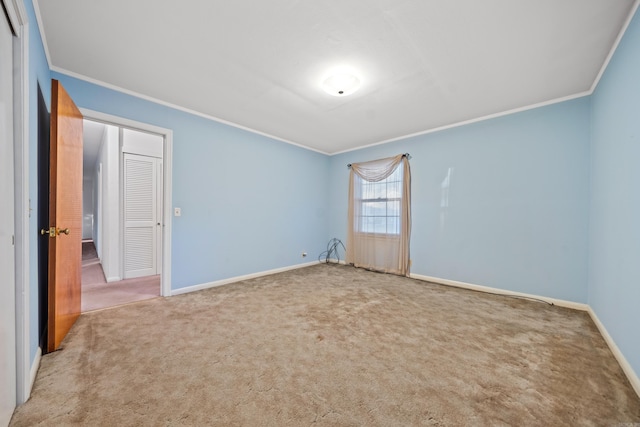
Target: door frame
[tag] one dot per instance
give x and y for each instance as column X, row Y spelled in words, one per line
column 25, row 370
column 167, row 153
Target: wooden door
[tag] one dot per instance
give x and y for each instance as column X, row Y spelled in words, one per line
column 65, row 216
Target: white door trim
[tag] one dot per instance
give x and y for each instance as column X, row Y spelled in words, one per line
column 8, row 298
column 165, row 283
column 18, row 16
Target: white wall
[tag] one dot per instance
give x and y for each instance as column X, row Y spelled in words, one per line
column 107, row 227
column 88, row 187
column 97, row 214
column 142, row 143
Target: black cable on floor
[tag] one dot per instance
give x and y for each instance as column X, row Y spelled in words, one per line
column 332, row 251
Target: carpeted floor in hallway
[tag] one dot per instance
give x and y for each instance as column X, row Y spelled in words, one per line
column 98, row 294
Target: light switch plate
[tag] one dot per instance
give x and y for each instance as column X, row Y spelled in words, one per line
column 177, row 211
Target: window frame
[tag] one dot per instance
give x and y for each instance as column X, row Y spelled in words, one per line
column 394, row 178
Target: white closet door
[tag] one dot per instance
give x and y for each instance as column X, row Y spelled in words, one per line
column 141, row 220
column 159, row 217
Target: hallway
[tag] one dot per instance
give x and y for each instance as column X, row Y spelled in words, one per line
column 98, row 294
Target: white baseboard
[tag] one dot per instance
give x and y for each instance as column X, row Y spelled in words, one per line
column 558, row 302
column 624, row 364
column 114, row 279
column 34, row 371
column 208, row 285
column 334, row 261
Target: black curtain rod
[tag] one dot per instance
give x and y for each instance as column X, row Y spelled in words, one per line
column 407, row 155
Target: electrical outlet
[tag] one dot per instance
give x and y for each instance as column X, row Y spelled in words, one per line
column 177, row 212
column 304, row 254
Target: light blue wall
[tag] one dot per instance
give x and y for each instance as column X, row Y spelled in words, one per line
column 614, row 274
column 518, row 200
column 38, row 74
column 249, row 203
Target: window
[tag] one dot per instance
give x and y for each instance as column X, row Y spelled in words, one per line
column 380, row 215
column 380, row 205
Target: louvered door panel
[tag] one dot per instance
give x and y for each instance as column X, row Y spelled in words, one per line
column 140, row 215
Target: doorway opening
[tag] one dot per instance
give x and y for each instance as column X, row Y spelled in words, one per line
column 125, row 200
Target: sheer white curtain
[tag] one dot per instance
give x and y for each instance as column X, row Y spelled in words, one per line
column 380, row 215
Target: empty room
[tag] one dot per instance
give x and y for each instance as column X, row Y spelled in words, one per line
column 350, row 213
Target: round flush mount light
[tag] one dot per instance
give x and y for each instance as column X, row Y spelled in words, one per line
column 341, row 84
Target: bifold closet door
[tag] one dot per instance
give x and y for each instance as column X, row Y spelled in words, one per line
column 141, row 215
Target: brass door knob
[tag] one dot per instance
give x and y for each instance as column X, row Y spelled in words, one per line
column 53, row 231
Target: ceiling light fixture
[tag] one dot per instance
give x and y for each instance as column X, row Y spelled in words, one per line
column 341, row 84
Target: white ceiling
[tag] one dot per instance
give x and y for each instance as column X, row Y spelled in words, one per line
column 424, row 64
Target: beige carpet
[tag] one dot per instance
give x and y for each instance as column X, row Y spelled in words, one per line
column 332, row 345
column 98, row 294
column 103, row 295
